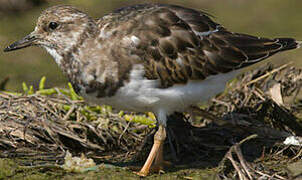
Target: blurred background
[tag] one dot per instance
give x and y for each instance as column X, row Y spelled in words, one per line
column 268, row 18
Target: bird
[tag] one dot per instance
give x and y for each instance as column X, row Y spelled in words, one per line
column 159, row 58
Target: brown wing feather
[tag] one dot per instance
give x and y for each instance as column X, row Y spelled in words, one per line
column 178, row 44
column 197, row 47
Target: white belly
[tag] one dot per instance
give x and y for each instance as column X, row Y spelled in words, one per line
column 142, row 95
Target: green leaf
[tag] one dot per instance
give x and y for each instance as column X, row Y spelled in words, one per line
column 24, row 87
column 31, row 90
column 42, row 83
column 47, row 91
column 73, row 94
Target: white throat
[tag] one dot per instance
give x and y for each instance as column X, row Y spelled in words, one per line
column 58, row 58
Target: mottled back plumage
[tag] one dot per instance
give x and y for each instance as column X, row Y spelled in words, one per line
column 179, row 44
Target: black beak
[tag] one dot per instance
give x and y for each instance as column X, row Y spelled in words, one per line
column 23, row 43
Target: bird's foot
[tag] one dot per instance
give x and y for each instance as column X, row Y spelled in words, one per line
column 159, row 168
column 156, row 154
column 155, row 168
column 142, row 173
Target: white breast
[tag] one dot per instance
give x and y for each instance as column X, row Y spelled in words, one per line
column 142, row 95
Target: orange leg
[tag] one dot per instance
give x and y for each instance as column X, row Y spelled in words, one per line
column 159, row 160
column 155, row 153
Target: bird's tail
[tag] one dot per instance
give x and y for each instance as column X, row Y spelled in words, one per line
column 299, row 44
column 289, row 43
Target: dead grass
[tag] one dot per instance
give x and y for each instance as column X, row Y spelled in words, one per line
column 37, row 123
column 38, row 129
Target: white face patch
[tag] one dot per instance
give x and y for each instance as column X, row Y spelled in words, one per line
column 58, row 58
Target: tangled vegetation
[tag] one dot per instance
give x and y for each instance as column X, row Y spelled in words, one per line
column 241, row 133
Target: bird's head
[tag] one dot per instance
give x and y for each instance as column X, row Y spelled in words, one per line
column 59, row 29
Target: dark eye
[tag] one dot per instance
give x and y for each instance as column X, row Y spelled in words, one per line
column 53, row 25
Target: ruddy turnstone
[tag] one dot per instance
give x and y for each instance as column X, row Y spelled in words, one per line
column 151, row 57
